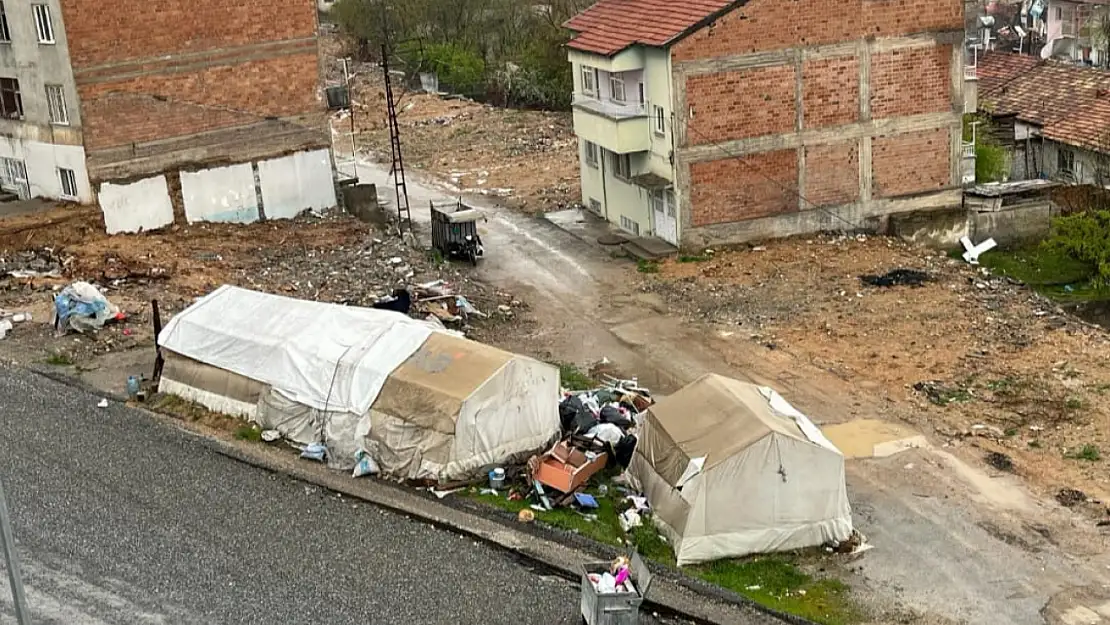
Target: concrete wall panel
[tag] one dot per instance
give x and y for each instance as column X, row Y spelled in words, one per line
column 295, row 183
column 223, row 194
column 139, row 206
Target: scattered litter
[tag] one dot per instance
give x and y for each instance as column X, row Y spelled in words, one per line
column 103, row 404
column 586, row 501
column 443, row 493
column 489, row 491
column 364, row 464
column 82, row 308
column 630, row 519
column 270, row 436
column 526, row 516
column 5, row 327
column 897, row 277
column 314, row 451
column 973, row 252
column 496, row 479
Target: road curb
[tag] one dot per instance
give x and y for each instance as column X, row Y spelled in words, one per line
column 673, row 593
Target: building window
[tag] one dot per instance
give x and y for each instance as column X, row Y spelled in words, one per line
column 56, row 101
column 42, row 23
column 591, row 154
column 5, row 33
column 11, row 102
column 660, row 121
column 672, row 205
column 616, row 88
column 658, row 202
column 1065, row 162
column 589, row 80
column 622, row 165
column 630, row 225
column 69, row 182
column 595, row 206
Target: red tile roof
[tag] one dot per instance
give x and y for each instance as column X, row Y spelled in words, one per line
column 997, row 68
column 1071, row 103
column 613, row 25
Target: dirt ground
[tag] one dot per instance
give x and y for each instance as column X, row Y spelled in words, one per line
column 969, row 358
column 528, row 159
column 331, row 258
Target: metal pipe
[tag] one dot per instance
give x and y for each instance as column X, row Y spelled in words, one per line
column 11, row 561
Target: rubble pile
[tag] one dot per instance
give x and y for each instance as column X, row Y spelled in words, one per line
column 478, row 148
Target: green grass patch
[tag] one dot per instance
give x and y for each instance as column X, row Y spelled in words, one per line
column 1035, row 443
column 775, row 582
column 1074, row 403
column 574, row 379
column 59, row 359
column 1049, row 271
column 248, row 432
column 1088, row 452
column 647, row 266
column 778, row 584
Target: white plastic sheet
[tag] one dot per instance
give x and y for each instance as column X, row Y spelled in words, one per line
column 326, row 356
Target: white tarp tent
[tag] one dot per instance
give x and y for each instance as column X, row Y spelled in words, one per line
column 425, row 404
column 732, row 469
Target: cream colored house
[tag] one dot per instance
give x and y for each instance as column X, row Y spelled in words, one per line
column 622, row 116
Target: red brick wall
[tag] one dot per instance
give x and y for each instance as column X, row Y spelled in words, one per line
column 106, row 31
column 734, row 189
column 773, row 24
column 830, row 92
column 911, row 81
column 832, row 174
column 735, row 105
column 165, row 69
column 176, row 105
column 910, row 163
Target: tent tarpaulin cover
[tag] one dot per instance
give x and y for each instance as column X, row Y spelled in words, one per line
column 732, row 469
column 425, row 403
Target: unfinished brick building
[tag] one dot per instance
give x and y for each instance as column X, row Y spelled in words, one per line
column 210, row 109
column 714, row 121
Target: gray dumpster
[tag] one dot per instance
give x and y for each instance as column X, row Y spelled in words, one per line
column 618, row 608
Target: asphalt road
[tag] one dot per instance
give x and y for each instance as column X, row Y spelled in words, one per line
column 121, row 520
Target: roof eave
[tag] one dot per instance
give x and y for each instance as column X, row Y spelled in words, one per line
column 705, row 21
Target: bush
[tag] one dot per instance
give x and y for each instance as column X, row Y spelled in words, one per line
column 464, row 71
column 1086, row 238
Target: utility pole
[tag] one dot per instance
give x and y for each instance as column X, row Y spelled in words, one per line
column 398, row 169
column 11, row 560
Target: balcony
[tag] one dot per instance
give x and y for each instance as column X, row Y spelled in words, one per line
column 616, row 126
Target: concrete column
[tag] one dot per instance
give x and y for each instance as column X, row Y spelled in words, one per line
column 864, row 53
column 865, row 169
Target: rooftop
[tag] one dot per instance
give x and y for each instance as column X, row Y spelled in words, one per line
column 610, row 26
column 1070, row 103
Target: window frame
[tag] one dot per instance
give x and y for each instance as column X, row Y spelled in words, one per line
column 621, row 165
column 5, row 30
column 591, row 74
column 44, row 23
column 591, row 154
column 660, row 120
column 1065, row 161
column 56, row 105
column 11, row 86
column 617, row 79
column 72, row 180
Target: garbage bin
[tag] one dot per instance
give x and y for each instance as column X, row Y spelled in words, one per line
column 616, row 608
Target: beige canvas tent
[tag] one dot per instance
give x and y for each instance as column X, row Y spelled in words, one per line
column 731, row 469
column 424, row 403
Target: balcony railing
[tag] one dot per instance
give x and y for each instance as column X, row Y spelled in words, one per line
column 970, row 72
column 609, row 108
column 969, row 149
